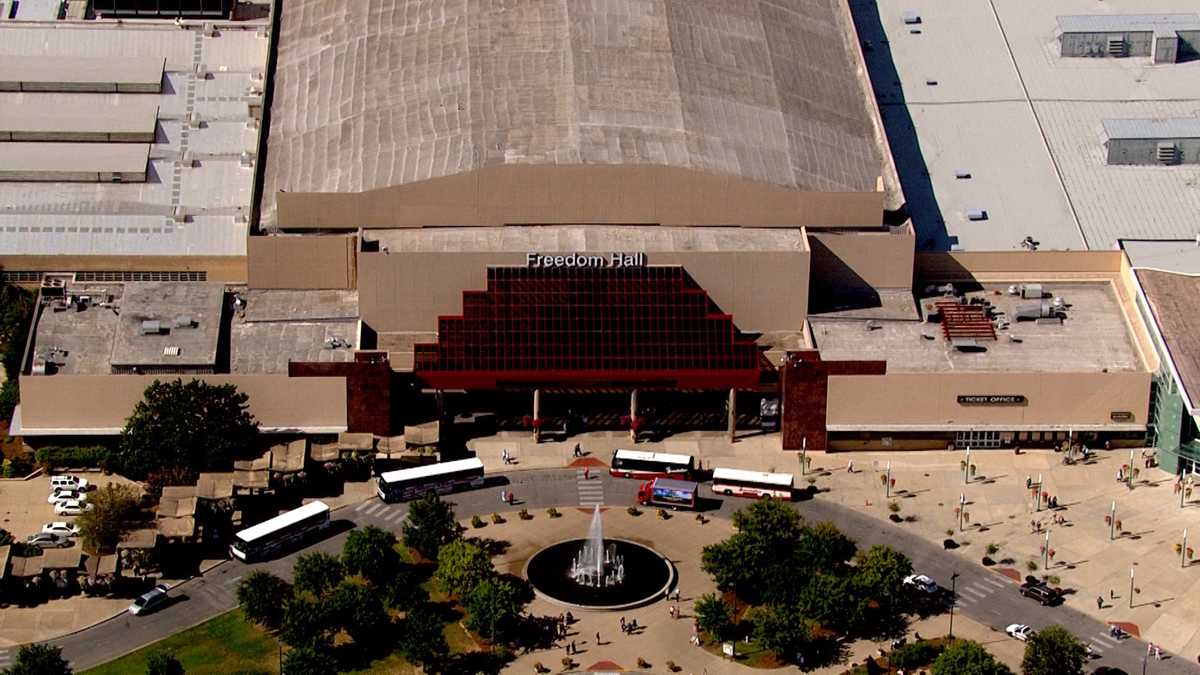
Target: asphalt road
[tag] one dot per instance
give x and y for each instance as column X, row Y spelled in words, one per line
column 983, row 595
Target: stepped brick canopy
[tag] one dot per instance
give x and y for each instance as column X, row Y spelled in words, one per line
column 624, row 326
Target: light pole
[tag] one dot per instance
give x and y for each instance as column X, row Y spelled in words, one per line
column 953, row 599
column 1183, row 550
column 1037, row 496
column 887, row 483
column 1046, row 552
column 967, row 467
column 1130, row 588
column 804, row 455
column 1112, row 520
column 1129, row 475
column 962, row 508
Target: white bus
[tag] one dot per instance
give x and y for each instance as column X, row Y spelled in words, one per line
column 751, row 483
column 647, row 465
column 442, row 478
column 268, row 537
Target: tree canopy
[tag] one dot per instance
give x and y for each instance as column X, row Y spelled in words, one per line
column 317, row 573
column 462, row 566
column 422, row 640
column 714, row 616
column 193, row 425
column 370, row 552
column 1054, row 651
column 359, row 610
column 39, row 659
column 307, row 622
column 163, row 663
column 493, row 607
column 261, row 596
column 309, row 661
column 429, row 525
column 965, row 657
column 114, row 508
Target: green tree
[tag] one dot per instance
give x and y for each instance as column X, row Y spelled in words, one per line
column 191, row 425
column 493, row 607
column 114, row 508
column 6, row 537
column 262, row 596
column 309, row 661
column 430, row 525
column 360, row 612
column 371, row 553
column 877, row 579
column 421, row 638
column 964, row 657
column 163, row 663
column 714, row 616
column 16, row 312
column 462, row 566
column 1054, row 651
column 825, row 548
column 782, row 631
column 829, row 600
column 39, row 660
column 317, row 573
column 307, row 622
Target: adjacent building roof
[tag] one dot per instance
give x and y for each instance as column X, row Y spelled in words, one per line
column 187, row 318
column 1153, row 128
column 47, row 115
column 198, row 190
column 573, row 239
column 72, row 158
column 1175, row 303
column 984, row 94
column 1105, row 23
column 371, row 95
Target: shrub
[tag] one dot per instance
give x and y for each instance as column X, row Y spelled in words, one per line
column 477, row 522
column 538, row 667
column 894, row 506
column 642, row 663
column 671, row 666
column 914, row 655
column 1031, row 566
column 17, row 467
column 497, row 519
column 993, row 549
column 553, row 512
column 663, row 514
column 633, row 511
column 73, row 457
column 910, row 519
column 567, row 662
column 524, row 514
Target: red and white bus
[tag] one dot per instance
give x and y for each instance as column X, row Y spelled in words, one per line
column 646, row 465
column 756, row 484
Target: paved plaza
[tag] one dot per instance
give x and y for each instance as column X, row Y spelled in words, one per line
column 929, row 486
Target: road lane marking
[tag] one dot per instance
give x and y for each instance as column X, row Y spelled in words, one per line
column 975, row 593
column 374, row 508
column 363, row 505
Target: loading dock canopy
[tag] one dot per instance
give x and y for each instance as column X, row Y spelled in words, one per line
column 94, row 119
column 79, row 162
column 103, row 74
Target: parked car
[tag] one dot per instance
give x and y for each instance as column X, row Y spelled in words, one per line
column 64, row 494
column 68, row 483
column 1019, row 631
column 149, row 601
column 1040, row 592
column 72, row 507
column 922, row 583
column 62, row 528
column 45, row 540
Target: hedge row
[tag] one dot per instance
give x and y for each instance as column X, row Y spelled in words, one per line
column 75, row 457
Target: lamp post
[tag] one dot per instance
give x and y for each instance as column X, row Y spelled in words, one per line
column 804, row 455
column 967, row 467
column 1130, row 588
column 962, row 508
column 887, row 483
column 1037, row 496
column 1183, row 550
column 1046, row 552
column 1129, row 474
column 953, row 599
column 1112, row 520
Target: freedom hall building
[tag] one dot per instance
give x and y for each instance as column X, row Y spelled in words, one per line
column 655, row 215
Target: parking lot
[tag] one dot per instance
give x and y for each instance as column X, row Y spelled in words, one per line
column 23, row 506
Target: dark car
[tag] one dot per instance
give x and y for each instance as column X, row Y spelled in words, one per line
column 1040, row 592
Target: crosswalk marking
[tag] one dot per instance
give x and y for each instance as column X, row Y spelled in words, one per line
column 974, row 592
column 373, row 509
column 591, row 492
column 995, row 582
column 5, row 657
column 396, row 514
column 363, row 505
column 1107, row 640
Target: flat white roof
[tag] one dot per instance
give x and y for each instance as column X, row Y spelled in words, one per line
column 74, row 157
column 653, row 456
column 780, row 479
column 987, row 93
column 95, row 113
column 48, row 69
column 282, row 520
column 1152, row 128
column 1106, row 23
column 431, row 470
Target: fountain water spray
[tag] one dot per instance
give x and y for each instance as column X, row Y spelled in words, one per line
column 596, row 565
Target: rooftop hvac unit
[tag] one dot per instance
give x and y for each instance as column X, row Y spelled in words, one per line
column 246, row 160
column 1116, row 46
column 210, row 30
column 254, row 89
column 977, row 214
column 151, row 328
column 194, row 120
column 179, row 215
column 241, row 218
column 256, row 75
column 911, row 17
column 171, row 351
column 262, row 32
column 962, row 174
column 184, row 321
column 201, row 71
column 185, row 160
column 252, row 122
column 1167, row 153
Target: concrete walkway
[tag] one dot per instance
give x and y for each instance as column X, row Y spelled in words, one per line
column 929, row 486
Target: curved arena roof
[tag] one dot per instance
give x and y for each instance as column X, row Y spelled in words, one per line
column 379, row 93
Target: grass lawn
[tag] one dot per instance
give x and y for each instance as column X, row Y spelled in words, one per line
column 226, row 644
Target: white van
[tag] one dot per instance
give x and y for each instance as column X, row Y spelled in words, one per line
column 68, row 483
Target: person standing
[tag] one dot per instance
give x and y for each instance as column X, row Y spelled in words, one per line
column 1099, row 602
column 574, row 650
column 587, row 473
column 597, row 638
column 622, row 624
column 578, row 451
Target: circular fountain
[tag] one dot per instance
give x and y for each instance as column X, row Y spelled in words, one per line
column 599, row 573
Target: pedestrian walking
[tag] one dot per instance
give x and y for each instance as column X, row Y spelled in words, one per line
column 622, row 624
column 1120, row 475
column 578, row 451
column 510, row 497
column 587, row 472
column 597, row 638
column 1099, row 602
column 503, row 496
column 850, row 467
column 1112, row 595
column 1028, row 482
column 1157, row 653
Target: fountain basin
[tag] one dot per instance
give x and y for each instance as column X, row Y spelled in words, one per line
column 648, row 576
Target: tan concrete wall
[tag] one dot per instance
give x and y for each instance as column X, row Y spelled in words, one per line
column 399, row 292
column 1125, row 286
column 904, row 400
column 219, row 268
column 1031, row 265
column 848, row 259
column 308, row 262
column 579, row 194
column 105, row 401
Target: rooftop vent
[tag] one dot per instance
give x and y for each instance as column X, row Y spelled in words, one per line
column 171, row 351
column 201, row 71
column 911, row 17
column 184, row 321
column 151, row 327
column 962, row 174
column 1167, row 153
column 977, row 214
